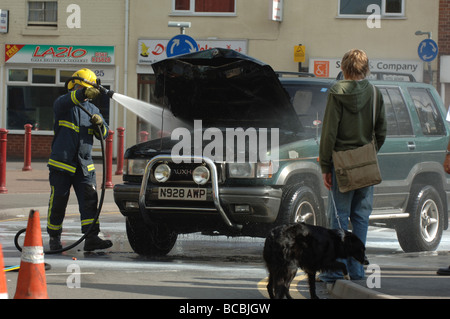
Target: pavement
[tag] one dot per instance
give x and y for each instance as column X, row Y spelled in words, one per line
column 393, row 276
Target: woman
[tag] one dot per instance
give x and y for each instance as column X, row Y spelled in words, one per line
column 348, row 124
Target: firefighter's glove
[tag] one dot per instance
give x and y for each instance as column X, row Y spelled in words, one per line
column 91, row 93
column 96, row 119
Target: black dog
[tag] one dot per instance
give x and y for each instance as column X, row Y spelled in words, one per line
column 312, row 248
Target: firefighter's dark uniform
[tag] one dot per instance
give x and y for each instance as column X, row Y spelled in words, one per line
column 71, row 161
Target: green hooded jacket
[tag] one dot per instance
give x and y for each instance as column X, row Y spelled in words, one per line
column 348, row 118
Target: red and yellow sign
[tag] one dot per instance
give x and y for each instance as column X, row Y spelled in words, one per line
column 11, row 50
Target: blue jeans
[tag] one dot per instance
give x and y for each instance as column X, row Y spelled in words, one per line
column 356, row 207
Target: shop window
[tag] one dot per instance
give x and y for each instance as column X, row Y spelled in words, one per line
column 31, row 105
column 42, row 13
column 146, row 89
column 65, row 75
column 30, row 95
column 355, row 8
column 16, row 75
column 44, row 76
column 204, row 6
column 34, row 105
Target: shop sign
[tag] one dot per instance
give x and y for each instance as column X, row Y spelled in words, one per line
column 59, row 54
column 276, row 12
column 151, row 51
column 4, row 21
column 330, row 68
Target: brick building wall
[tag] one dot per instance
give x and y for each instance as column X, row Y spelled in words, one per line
column 40, row 146
column 444, row 44
column 444, row 27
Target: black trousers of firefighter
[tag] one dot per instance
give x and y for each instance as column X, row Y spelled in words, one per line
column 86, row 192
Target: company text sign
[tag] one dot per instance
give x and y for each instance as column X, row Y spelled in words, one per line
column 330, row 68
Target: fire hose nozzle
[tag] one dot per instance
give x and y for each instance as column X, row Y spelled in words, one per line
column 104, row 90
column 97, row 85
column 110, row 93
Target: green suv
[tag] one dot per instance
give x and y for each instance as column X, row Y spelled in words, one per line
column 245, row 157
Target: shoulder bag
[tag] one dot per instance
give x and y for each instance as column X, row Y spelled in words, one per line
column 358, row 168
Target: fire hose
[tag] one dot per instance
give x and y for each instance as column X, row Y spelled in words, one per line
column 102, row 195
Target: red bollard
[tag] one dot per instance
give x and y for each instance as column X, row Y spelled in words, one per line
column 27, row 149
column 143, row 135
column 120, row 138
column 3, row 143
column 109, row 153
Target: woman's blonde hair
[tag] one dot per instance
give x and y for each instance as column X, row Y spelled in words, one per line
column 355, row 64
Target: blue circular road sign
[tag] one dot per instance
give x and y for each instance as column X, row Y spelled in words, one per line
column 181, row 44
column 428, row 50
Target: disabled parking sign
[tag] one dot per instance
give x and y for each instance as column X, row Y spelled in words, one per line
column 181, row 44
column 428, row 50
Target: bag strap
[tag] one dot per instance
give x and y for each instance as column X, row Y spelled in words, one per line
column 374, row 112
column 374, row 105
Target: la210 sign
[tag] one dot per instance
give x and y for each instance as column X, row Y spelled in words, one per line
column 59, row 54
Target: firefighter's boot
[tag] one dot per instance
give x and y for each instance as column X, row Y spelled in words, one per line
column 55, row 242
column 93, row 242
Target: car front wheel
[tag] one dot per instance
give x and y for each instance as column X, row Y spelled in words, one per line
column 149, row 241
column 300, row 204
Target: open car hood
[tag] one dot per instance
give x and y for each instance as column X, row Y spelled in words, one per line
column 224, row 88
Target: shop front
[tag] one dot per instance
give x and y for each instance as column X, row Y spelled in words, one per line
column 154, row 50
column 34, row 76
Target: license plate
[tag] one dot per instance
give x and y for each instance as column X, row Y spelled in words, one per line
column 182, row 193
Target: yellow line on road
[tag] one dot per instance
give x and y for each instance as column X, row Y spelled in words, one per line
column 262, row 286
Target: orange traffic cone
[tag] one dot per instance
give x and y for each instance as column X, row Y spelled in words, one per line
column 31, row 283
column 3, row 288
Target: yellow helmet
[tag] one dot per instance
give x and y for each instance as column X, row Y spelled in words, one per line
column 85, row 74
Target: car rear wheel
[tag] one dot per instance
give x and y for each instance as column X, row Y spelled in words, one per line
column 299, row 204
column 422, row 231
column 149, row 241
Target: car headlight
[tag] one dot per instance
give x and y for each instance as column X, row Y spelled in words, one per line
column 135, row 166
column 200, row 175
column 264, row 170
column 162, row 173
column 241, row 170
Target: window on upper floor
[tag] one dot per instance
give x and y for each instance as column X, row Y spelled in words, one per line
column 43, row 13
column 358, row 8
column 204, row 7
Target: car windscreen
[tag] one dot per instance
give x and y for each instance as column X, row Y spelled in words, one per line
column 309, row 102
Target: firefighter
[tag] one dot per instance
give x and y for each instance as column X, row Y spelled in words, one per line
column 71, row 163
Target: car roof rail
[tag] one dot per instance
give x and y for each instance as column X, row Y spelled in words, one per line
column 299, row 74
column 403, row 77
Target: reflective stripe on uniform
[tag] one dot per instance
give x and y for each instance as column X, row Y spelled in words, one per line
column 95, row 131
column 69, row 125
column 89, row 221
column 90, row 167
column 50, row 206
column 73, row 96
column 63, row 166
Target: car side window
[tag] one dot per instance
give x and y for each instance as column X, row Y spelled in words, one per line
column 397, row 115
column 430, row 120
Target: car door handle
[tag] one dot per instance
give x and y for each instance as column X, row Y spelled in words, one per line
column 411, row 146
